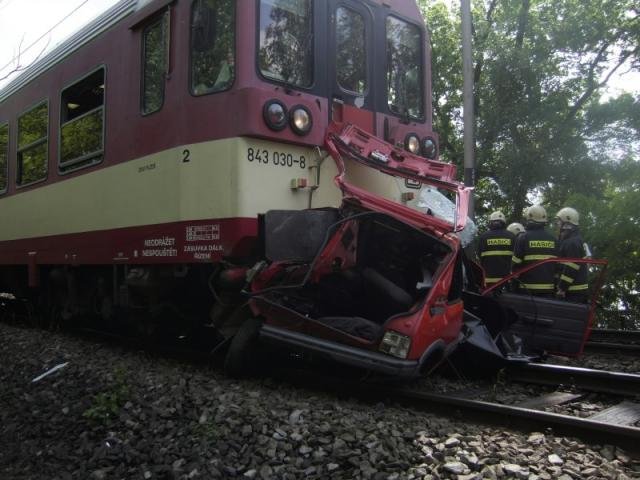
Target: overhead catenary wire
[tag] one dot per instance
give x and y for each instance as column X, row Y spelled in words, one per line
column 35, row 42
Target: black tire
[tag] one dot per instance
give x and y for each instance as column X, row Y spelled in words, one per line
column 242, row 359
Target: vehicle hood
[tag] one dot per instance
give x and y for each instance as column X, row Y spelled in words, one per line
column 349, row 141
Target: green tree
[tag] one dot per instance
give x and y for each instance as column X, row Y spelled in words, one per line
column 544, row 129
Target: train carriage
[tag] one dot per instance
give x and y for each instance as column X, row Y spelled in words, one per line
column 150, row 164
column 158, row 133
column 151, row 140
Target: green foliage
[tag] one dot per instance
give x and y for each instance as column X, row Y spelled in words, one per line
column 543, row 127
column 285, row 42
column 612, row 227
column 33, row 144
column 33, row 125
column 82, row 136
column 446, row 79
column 155, row 64
column 106, row 405
column 213, row 45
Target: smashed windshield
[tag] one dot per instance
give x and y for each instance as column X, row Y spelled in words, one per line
column 404, row 71
column 435, row 202
column 438, row 204
column 286, row 40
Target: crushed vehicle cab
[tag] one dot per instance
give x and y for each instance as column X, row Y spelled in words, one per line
column 375, row 283
column 382, row 283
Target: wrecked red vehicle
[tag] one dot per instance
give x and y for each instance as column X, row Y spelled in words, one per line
column 374, row 284
column 385, row 286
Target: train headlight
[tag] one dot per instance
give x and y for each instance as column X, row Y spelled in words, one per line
column 412, row 143
column 429, row 148
column 300, row 120
column 275, row 115
column 395, row 344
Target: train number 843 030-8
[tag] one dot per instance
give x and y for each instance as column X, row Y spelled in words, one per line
column 278, row 159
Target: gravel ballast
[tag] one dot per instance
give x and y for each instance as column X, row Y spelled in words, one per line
column 114, row 413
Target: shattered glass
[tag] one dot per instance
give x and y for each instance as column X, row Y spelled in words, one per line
column 433, row 202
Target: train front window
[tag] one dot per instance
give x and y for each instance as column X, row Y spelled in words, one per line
column 404, row 72
column 286, row 41
column 351, row 61
column 33, row 145
column 4, row 154
column 212, row 45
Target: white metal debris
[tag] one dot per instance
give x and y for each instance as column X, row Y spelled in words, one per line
column 49, row 372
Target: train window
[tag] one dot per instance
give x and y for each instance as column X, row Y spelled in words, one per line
column 212, row 46
column 82, row 122
column 404, row 72
column 4, row 155
column 286, row 41
column 33, row 145
column 154, row 64
column 351, row 61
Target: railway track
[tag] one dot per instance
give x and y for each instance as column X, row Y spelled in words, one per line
column 617, row 424
column 602, row 381
column 625, row 342
column 615, row 336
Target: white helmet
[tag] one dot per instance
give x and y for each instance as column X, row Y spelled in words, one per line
column 497, row 216
column 568, row 215
column 536, row 213
column 515, row 228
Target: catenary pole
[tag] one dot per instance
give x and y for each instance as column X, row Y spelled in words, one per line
column 467, row 72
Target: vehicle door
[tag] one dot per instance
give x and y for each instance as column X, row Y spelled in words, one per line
column 547, row 323
column 350, row 75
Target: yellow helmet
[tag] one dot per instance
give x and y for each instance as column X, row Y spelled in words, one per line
column 515, row 228
column 568, row 215
column 497, row 216
column 536, row 213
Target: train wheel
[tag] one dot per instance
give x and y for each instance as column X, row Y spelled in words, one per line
column 242, row 358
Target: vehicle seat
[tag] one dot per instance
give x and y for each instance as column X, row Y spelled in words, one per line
column 356, row 326
column 385, row 297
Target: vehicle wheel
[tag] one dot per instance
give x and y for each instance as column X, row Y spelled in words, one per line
column 242, row 357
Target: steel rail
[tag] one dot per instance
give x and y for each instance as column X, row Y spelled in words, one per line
column 457, row 404
column 616, row 383
column 614, row 336
column 617, row 348
column 600, row 431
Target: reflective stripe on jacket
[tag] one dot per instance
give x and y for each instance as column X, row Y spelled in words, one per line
column 532, row 246
column 572, row 276
column 495, row 248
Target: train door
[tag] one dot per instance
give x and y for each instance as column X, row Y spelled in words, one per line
column 350, row 75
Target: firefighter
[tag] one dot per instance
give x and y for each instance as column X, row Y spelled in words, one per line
column 496, row 249
column 516, row 228
column 572, row 279
column 533, row 245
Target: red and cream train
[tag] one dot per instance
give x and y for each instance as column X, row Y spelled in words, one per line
column 138, row 158
column 159, row 132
